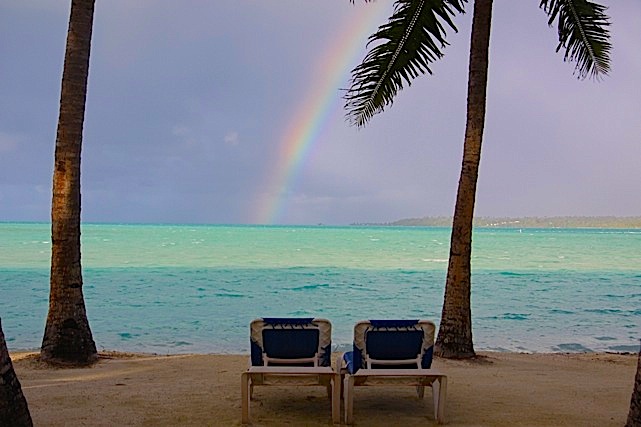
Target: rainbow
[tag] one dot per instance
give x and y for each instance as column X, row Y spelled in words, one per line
column 302, row 131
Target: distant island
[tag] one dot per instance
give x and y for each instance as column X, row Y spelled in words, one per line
column 526, row 222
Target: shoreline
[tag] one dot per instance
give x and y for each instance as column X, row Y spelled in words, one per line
column 117, row 354
column 496, row 389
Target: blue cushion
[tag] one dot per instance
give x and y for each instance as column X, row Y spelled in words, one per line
column 287, row 320
column 256, row 353
column 352, row 360
column 391, row 323
column 393, row 345
column 426, row 363
column 290, row 343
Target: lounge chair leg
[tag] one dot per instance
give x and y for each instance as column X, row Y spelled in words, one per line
column 439, row 390
column 420, row 391
column 436, row 386
column 348, row 393
column 336, row 399
column 244, row 396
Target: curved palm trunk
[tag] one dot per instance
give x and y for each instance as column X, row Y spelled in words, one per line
column 634, row 416
column 67, row 336
column 13, row 405
column 455, row 332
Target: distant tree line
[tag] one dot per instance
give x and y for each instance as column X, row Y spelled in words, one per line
column 527, row 222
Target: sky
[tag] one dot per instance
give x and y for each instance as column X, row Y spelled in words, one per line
column 231, row 112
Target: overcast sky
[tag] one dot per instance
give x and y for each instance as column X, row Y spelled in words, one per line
column 189, row 104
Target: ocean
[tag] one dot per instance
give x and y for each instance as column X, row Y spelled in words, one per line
column 194, row 288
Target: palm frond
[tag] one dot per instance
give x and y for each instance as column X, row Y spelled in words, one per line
column 403, row 48
column 583, row 33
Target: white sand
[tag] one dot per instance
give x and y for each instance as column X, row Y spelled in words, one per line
column 501, row 389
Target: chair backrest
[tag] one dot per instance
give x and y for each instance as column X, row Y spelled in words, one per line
column 401, row 344
column 290, row 342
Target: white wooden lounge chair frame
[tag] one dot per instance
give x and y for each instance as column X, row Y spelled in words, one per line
column 420, row 378
column 292, row 375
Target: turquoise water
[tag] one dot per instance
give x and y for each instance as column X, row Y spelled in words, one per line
column 184, row 288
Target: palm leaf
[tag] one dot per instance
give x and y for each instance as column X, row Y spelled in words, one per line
column 403, row 48
column 583, row 33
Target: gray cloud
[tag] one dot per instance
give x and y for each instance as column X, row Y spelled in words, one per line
column 187, row 108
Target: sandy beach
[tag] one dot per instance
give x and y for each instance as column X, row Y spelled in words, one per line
column 498, row 389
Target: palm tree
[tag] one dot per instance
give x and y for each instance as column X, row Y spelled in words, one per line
column 67, row 337
column 408, row 44
column 634, row 416
column 13, row 405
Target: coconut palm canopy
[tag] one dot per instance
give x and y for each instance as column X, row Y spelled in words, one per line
column 415, row 36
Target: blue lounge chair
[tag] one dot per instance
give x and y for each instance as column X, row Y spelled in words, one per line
column 393, row 352
column 290, row 351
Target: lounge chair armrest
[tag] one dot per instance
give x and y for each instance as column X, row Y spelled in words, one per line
column 341, row 364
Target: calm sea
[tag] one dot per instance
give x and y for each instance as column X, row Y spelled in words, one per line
column 185, row 288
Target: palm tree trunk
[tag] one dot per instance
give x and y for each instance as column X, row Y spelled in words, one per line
column 455, row 331
column 634, row 416
column 67, row 336
column 13, row 405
